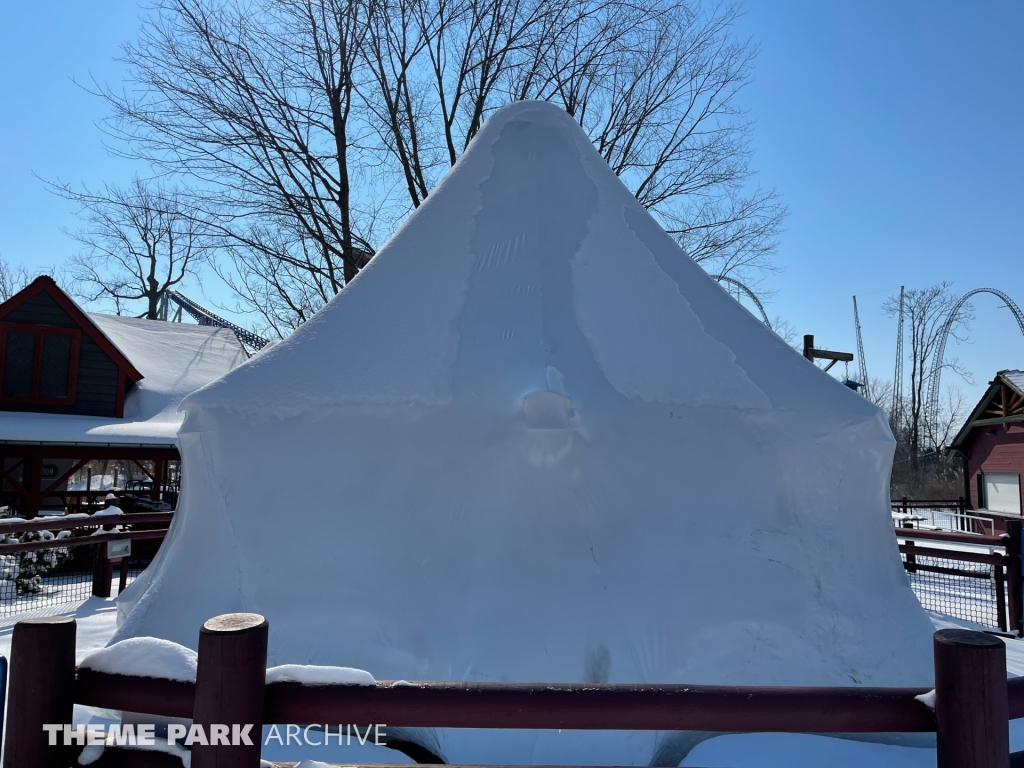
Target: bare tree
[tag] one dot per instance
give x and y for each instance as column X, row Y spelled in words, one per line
column 655, row 85
column 304, row 128
column 138, row 242
column 12, row 279
column 953, row 409
column 925, row 312
column 786, row 331
column 880, row 393
column 253, row 104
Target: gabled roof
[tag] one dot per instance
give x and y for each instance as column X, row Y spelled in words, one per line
column 175, row 359
column 1002, row 403
column 46, row 284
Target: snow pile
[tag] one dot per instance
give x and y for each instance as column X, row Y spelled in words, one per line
column 144, row 657
column 533, row 441
column 314, row 675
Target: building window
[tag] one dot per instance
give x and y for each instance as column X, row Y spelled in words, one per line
column 38, row 364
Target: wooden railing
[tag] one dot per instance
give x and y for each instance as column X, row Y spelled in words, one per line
column 972, row 706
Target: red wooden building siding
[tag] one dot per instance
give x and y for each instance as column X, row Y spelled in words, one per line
column 99, row 373
column 994, row 448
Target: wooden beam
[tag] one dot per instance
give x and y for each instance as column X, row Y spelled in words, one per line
column 53, row 486
column 18, row 487
column 138, row 463
column 825, row 354
column 80, row 450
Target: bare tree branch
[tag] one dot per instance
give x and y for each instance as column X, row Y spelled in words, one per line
column 138, row 242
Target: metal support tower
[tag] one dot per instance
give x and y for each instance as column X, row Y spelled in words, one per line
column 860, row 352
column 896, row 412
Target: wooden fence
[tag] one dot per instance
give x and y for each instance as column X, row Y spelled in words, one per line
column 972, row 707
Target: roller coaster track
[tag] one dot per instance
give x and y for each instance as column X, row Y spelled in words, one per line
column 939, row 359
column 749, row 293
column 203, row 316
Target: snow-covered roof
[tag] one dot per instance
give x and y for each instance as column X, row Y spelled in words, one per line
column 1015, row 379
column 174, row 359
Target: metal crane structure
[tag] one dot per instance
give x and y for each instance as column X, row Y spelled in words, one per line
column 896, row 412
column 939, row 358
column 749, row 294
column 204, row 316
column 862, row 363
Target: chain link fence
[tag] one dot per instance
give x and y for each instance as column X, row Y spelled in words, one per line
column 60, row 583
column 49, row 564
column 970, row 591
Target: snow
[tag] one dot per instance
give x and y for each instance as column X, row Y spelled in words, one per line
column 1016, row 378
column 928, row 699
column 786, row 750
column 555, row 450
column 93, row 752
column 314, row 675
column 96, row 619
column 174, row 359
column 144, row 657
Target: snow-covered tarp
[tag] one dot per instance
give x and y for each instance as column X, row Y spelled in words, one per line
column 174, row 359
column 533, row 441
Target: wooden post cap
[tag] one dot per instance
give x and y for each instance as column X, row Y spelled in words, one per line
column 968, row 638
column 233, row 623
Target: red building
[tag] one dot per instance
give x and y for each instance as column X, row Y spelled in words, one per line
column 77, row 387
column 991, row 442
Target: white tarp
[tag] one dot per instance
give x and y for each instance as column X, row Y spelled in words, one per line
column 533, row 441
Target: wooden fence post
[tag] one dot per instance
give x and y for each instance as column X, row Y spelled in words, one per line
column 911, row 562
column 102, row 572
column 42, row 687
column 972, row 712
column 1014, row 576
column 230, row 684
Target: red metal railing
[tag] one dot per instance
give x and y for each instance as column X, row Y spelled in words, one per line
column 973, row 700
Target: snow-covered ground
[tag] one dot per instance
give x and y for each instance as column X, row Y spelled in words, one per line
column 97, row 621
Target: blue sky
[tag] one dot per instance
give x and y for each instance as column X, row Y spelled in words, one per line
column 894, row 130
